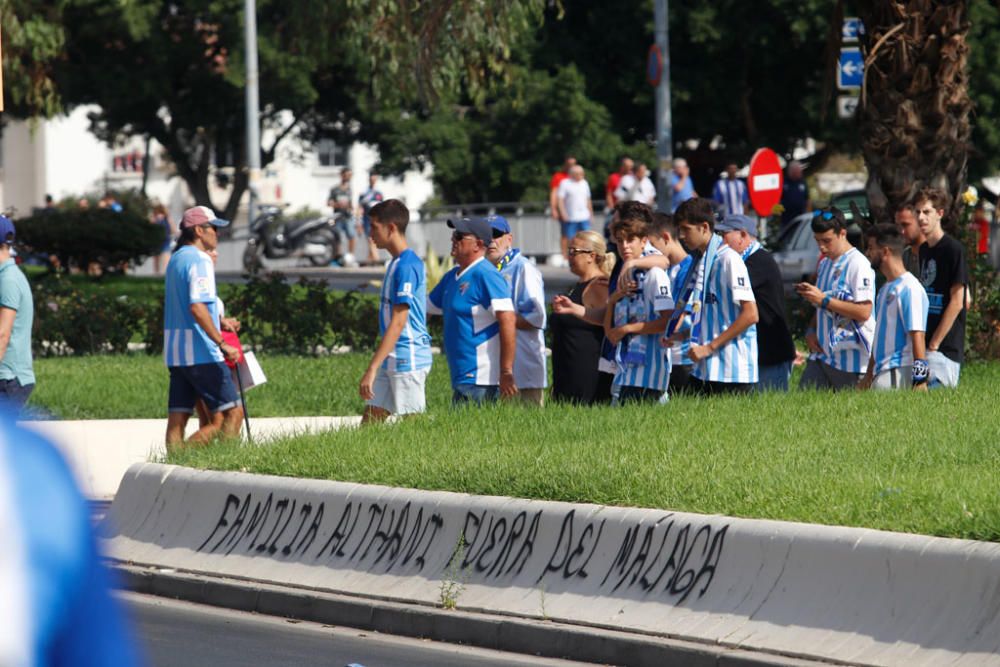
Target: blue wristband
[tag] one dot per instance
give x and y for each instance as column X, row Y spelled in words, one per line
column 921, row 371
column 825, row 302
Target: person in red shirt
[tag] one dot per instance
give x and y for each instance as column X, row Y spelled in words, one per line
column 558, row 178
column 981, row 227
column 614, row 179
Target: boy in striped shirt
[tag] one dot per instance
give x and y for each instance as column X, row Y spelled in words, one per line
column 665, row 237
column 395, row 378
column 723, row 309
column 635, row 319
column 898, row 359
column 842, row 329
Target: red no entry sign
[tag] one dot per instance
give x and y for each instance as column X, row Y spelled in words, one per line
column 765, row 181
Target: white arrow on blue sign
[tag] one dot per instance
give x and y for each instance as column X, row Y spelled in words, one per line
column 852, row 29
column 850, row 69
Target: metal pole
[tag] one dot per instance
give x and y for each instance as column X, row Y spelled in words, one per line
column 664, row 126
column 253, row 106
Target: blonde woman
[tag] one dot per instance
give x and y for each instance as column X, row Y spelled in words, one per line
column 576, row 342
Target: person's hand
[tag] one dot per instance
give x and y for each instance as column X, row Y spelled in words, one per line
column 230, row 324
column 866, row 382
column 626, row 279
column 563, row 305
column 507, row 386
column 810, row 293
column 812, row 342
column 674, row 339
column 616, row 334
column 697, row 353
column 366, row 386
column 230, row 352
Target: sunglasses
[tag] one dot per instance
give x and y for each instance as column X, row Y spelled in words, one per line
column 458, row 237
column 580, row 251
column 826, row 215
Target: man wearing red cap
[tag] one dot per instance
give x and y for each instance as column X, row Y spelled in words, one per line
column 193, row 347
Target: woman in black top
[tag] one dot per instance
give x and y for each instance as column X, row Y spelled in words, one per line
column 576, row 341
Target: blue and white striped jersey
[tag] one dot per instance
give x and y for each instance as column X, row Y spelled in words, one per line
column 678, row 273
column 469, row 302
column 190, row 279
column 728, row 286
column 901, row 307
column 55, row 594
column 528, row 293
column 405, row 283
column 846, row 343
column 642, row 361
column 732, row 194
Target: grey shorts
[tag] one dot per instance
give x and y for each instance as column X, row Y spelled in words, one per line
column 400, row 393
column 894, row 378
column 820, row 375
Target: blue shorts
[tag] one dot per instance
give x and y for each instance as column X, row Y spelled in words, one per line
column 346, row 227
column 570, row 229
column 476, row 394
column 212, row 383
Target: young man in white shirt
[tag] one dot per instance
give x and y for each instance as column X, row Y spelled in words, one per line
column 575, row 208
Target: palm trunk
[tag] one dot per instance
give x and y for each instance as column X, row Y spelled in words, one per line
column 915, row 106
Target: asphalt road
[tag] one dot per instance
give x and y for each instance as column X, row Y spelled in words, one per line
column 182, row 634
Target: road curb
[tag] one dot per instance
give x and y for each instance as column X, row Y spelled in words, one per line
column 503, row 633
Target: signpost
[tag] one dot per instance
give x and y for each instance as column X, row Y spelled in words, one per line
column 850, row 68
column 847, row 106
column 765, row 181
column 654, row 65
column 852, row 29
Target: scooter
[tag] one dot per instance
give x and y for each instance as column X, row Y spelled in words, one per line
column 273, row 237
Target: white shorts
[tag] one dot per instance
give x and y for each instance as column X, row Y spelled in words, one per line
column 399, row 393
column 894, row 378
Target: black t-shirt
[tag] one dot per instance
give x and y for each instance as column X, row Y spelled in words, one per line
column 794, row 195
column 941, row 267
column 774, row 340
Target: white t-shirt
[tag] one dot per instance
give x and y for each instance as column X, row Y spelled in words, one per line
column 575, row 195
column 629, row 190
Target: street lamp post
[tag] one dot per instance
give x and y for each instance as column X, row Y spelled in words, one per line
column 253, row 106
column 664, row 127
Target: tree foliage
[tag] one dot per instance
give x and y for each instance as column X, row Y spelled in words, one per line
column 33, row 39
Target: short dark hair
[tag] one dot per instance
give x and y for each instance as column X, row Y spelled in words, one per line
column 886, row 235
column 630, row 228
column 186, row 236
column 634, row 210
column 827, row 219
column 696, row 211
column 663, row 222
column 391, row 212
column 938, row 198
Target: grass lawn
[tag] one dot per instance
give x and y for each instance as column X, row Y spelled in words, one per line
column 897, row 461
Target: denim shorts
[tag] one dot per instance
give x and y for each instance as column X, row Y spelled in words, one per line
column 212, row 383
column 474, row 393
column 571, row 228
column 13, row 394
column 346, row 227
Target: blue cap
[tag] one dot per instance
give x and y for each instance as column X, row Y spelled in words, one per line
column 7, row 232
column 499, row 223
column 478, row 227
column 735, row 221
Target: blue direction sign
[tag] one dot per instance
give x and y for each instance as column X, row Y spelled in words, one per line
column 850, row 68
column 852, row 29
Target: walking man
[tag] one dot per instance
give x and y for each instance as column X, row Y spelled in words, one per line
column 842, row 329
column 17, row 312
column 731, row 192
column 775, row 347
column 193, row 347
column 724, row 310
column 479, row 319
column 527, row 291
column 395, row 379
column 944, row 274
column 898, row 358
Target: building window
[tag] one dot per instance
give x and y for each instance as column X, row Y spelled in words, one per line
column 330, row 154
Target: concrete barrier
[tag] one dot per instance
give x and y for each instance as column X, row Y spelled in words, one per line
column 852, row 596
column 99, row 451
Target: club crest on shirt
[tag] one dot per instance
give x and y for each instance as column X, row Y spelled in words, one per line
column 929, row 273
column 836, row 273
column 463, row 288
column 890, row 297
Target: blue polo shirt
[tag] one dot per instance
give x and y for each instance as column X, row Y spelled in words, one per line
column 405, row 283
column 15, row 293
column 190, row 279
column 469, row 301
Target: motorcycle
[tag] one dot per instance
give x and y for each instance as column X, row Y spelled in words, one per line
column 273, row 237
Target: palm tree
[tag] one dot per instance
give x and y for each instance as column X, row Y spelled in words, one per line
column 915, row 106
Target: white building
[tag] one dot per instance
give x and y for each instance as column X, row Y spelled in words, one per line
column 60, row 157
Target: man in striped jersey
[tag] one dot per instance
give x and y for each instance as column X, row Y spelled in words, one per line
column 665, row 237
column 731, row 192
column 841, row 331
column 193, row 347
column 635, row 319
column 724, row 311
column 898, row 359
column 394, row 382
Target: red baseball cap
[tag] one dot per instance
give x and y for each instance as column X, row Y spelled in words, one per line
column 201, row 215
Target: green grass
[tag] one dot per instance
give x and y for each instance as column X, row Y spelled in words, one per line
column 896, row 461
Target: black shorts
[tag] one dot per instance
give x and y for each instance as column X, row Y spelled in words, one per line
column 212, row 383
